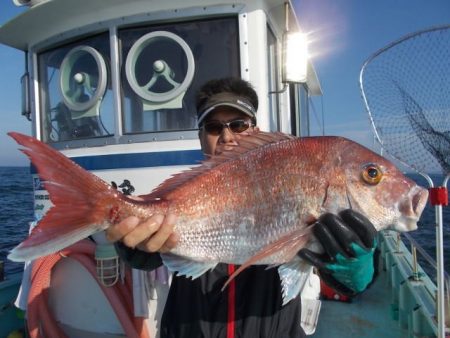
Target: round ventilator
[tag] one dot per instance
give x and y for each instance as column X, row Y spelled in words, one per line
column 151, row 47
column 83, row 78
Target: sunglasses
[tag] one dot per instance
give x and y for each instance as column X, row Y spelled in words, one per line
column 235, row 126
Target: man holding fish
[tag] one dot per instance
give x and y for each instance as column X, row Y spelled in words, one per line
column 257, row 303
column 260, row 200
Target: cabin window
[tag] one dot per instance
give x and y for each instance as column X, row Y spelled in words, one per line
column 302, row 99
column 162, row 66
column 273, row 80
column 299, row 107
column 75, row 91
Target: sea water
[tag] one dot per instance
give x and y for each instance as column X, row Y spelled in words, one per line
column 16, row 212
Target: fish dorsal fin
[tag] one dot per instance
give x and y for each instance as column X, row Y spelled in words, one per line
column 247, row 143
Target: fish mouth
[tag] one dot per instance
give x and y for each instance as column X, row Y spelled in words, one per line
column 406, row 223
column 419, row 200
column 411, row 209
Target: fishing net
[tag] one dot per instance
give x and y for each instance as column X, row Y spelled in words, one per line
column 406, row 89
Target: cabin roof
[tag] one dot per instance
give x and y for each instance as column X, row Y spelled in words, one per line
column 49, row 19
column 46, row 18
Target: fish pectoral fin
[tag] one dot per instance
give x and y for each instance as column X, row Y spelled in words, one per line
column 293, row 276
column 290, row 244
column 186, row 267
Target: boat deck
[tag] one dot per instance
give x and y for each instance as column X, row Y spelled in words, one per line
column 364, row 317
column 10, row 317
column 400, row 303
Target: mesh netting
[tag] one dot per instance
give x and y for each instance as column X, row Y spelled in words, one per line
column 406, row 88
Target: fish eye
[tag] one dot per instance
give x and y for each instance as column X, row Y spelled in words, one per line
column 372, row 174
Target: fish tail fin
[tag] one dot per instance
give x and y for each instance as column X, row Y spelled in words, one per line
column 81, row 201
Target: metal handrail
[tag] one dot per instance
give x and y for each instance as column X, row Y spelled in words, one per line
column 430, row 260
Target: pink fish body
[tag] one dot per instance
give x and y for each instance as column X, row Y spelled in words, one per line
column 253, row 204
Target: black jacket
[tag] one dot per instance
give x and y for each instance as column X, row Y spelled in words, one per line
column 250, row 306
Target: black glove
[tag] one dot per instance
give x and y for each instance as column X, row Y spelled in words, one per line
column 349, row 241
column 138, row 259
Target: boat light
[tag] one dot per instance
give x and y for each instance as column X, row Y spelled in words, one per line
column 107, row 264
column 295, row 57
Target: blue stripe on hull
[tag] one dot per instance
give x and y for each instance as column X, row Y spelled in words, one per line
column 139, row 160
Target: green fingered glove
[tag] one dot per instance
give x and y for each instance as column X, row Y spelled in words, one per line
column 349, row 241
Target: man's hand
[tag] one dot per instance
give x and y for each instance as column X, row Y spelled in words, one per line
column 154, row 234
column 349, row 241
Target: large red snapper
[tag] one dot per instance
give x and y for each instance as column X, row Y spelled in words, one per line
column 253, row 204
